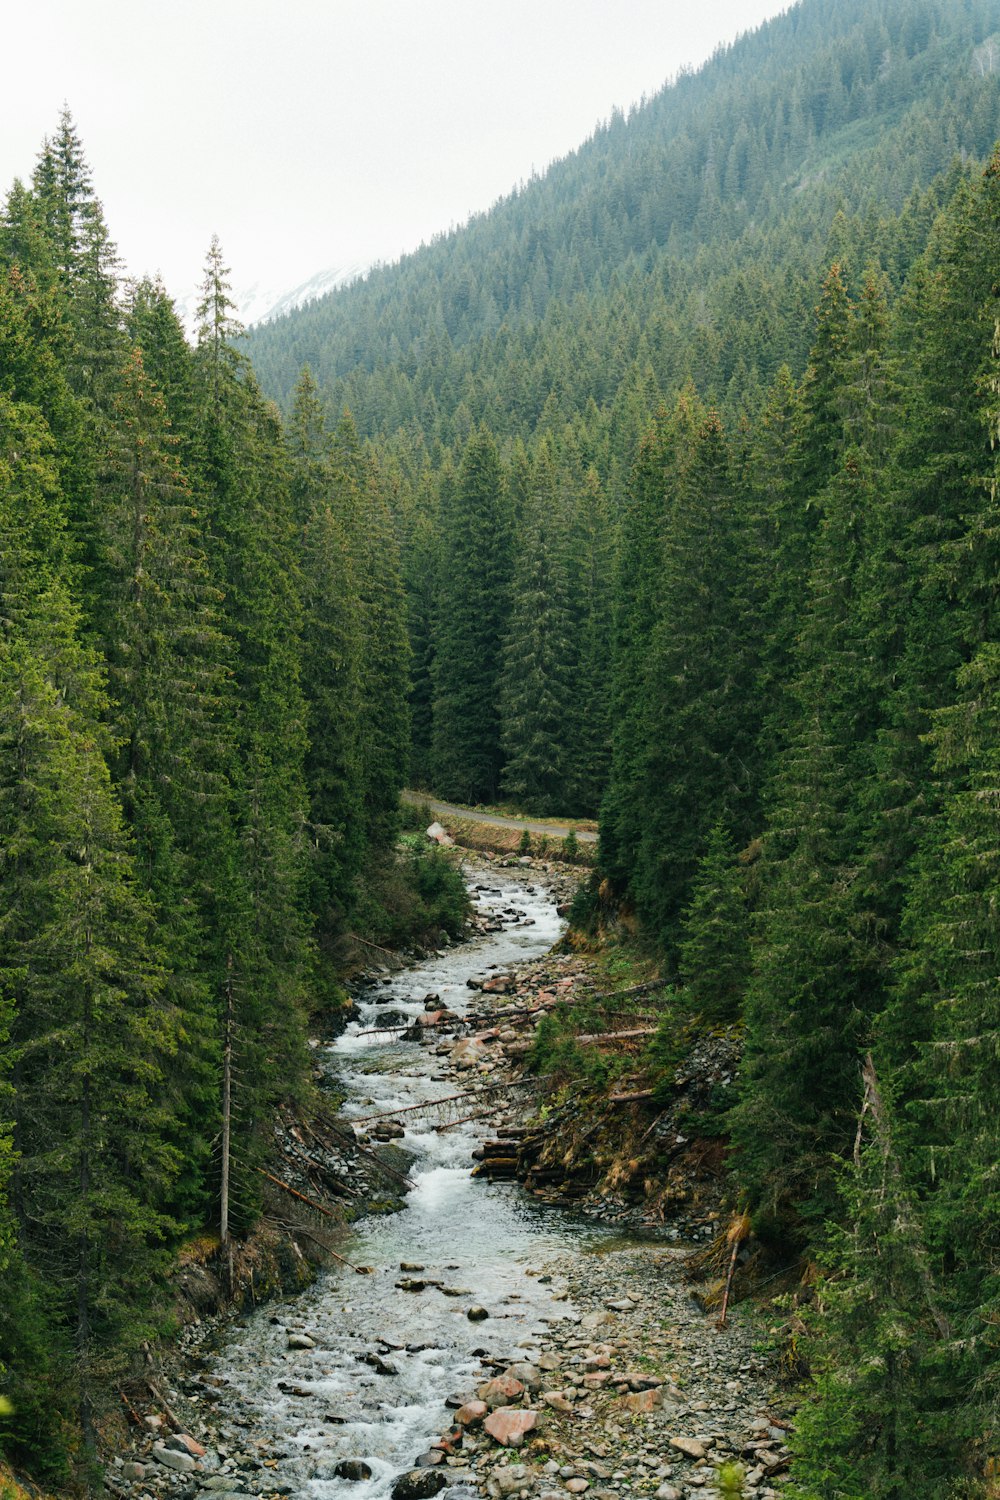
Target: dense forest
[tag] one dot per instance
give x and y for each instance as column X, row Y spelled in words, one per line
column 683, row 243
column 693, row 446
column 203, row 734
column 667, row 490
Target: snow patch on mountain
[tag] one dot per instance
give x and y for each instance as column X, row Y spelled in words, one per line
column 261, row 301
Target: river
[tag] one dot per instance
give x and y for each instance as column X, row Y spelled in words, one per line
column 480, row 1240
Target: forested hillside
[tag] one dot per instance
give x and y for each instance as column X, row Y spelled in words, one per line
column 693, row 452
column 686, row 242
column 666, row 490
column 203, row 734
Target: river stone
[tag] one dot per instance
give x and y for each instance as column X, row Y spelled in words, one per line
column 419, row 1484
column 527, row 1374
column 182, row 1462
column 508, row 1427
column 182, row 1442
column 466, row 1054
column 354, row 1469
column 648, row 1401
column 595, row 1319
column 690, row 1447
column 471, row 1414
column 510, row 1479
column 477, row 1314
column 379, row 1365
column 300, row 1341
column 501, row 1391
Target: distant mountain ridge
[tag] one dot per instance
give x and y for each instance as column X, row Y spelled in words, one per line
column 261, row 301
column 709, row 206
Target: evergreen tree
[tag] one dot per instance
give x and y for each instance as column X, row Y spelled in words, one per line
column 714, row 948
column 93, row 1021
column 471, row 623
column 699, row 729
column 637, row 594
column 158, row 618
column 84, row 258
column 260, row 948
column 591, row 582
column 880, row 1423
column 331, row 666
column 539, row 680
column 383, row 648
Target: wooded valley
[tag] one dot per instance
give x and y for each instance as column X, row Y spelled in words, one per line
column 666, row 492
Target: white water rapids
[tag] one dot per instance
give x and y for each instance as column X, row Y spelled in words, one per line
column 479, row 1239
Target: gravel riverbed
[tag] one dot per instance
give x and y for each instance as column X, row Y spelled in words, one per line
column 581, row 1362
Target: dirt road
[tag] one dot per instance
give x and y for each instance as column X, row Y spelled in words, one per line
column 444, row 810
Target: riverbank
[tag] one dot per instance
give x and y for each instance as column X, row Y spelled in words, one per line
column 339, row 1390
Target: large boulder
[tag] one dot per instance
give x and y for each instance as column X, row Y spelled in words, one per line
column 170, row 1458
column 643, row 1401
column 528, row 1374
column 471, row 1413
column 509, row 1425
column 503, row 1390
column 419, row 1484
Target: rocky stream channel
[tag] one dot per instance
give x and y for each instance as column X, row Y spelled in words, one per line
column 493, row 1344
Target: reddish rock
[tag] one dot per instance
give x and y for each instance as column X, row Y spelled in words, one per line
column 509, row 1427
column 182, row 1442
column 471, row 1414
column 501, row 1392
column 642, row 1400
column 690, row 1447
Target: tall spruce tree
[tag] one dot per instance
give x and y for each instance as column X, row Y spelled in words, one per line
column 637, row 594
column 331, row 667
column 540, row 675
column 260, row 950
column 699, row 730
column 474, row 593
column 93, row 1018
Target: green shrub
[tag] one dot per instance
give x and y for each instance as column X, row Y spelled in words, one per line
column 412, row 896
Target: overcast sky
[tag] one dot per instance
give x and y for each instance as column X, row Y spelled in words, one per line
column 319, row 133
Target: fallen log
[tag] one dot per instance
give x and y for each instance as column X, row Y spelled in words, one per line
column 318, row 1207
column 350, row 1142
column 636, row 989
column 617, row 1036
column 628, row 1098
column 476, row 1093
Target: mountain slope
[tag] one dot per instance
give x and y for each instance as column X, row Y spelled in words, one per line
column 710, row 205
